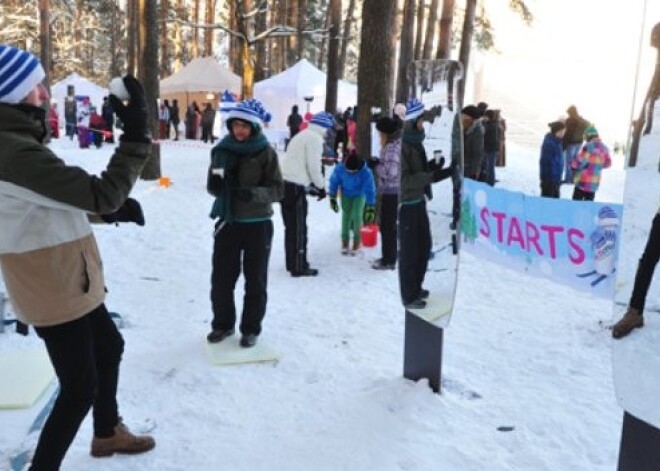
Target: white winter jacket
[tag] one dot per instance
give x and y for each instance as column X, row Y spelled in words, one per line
column 302, row 163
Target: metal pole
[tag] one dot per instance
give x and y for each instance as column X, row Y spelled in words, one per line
column 636, row 85
column 2, row 312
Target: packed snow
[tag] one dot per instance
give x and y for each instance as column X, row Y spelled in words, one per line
column 521, row 354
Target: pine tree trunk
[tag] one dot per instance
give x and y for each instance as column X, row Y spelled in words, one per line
column 405, row 50
column 321, row 57
column 44, row 37
column 431, row 21
column 466, row 44
column 261, row 56
column 292, row 40
column 131, row 35
column 419, row 24
column 348, row 22
column 247, row 65
column 164, row 47
column 77, row 31
column 178, row 36
column 374, row 67
column 209, row 32
column 149, row 79
column 446, row 33
column 333, row 57
column 393, row 31
column 114, row 41
column 302, row 24
column 282, row 43
column 194, row 51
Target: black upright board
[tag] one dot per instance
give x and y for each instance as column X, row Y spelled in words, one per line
column 434, row 83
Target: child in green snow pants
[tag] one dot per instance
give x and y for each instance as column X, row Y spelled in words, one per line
column 352, row 209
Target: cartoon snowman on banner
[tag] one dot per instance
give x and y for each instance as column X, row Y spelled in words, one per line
column 603, row 243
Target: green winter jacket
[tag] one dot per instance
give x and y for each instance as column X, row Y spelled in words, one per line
column 415, row 175
column 251, row 166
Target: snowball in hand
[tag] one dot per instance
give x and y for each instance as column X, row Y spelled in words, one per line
column 118, row 89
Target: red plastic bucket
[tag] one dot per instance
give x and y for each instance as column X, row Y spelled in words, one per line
column 369, row 234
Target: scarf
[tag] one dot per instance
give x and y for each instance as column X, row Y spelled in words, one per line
column 225, row 155
column 411, row 135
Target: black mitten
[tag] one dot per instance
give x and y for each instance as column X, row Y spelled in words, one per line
column 130, row 211
column 436, row 164
column 134, row 114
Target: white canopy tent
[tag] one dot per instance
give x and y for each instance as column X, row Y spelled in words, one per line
column 290, row 87
column 198, row 78
column 82, row 87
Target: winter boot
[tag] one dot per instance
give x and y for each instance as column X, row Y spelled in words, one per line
column 344, row 247
column 355, row 248
column 123, row 441
column 216, row 336
column 630, row 320
column 248, row 340
column 382, row 265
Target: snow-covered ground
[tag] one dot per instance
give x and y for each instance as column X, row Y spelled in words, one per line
column 519, row 352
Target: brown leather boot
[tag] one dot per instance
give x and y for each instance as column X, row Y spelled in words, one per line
column 631, row 319
column 123, row 441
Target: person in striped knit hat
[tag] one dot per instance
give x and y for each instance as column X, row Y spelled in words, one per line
column 634, row 316
column 245, row 179
column 588, row 166
column 46, row 207
column 303, row 175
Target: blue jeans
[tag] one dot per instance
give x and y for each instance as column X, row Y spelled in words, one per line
column 569, row 155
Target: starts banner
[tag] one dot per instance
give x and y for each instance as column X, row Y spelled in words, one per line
column 575, row 243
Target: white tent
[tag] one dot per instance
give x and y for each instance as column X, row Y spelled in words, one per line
column 290, row 87
column 82, row 87
column 199, row 77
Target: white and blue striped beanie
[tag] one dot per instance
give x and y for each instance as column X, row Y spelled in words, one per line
column 227, row 102
column 20, row 72
column 323, row 119
column 414, row 109
column 251, row 111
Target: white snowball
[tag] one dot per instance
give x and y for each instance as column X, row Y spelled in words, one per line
column 118, row 89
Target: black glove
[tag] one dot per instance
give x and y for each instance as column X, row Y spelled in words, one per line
column 243, row 194
column 130, row 211
column 436, row 165
column 369, row 214
column 333, row 204
column 373, row 162
column 134, row 115
column 318, row 192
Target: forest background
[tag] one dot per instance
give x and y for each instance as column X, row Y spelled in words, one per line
column 539, row 52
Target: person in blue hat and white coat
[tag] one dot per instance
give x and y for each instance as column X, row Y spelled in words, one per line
column 302, row 170
column 245, row 178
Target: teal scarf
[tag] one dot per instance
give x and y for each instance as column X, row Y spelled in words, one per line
column 411, row 135
column 225, row 156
